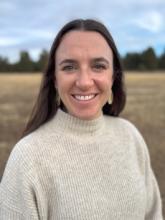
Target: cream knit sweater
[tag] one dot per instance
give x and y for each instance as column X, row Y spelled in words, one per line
column 71, row 169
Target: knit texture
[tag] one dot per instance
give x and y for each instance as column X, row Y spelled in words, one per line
column 72, row 169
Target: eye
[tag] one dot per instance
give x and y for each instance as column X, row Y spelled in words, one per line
column 69, row 67
column 99, row 66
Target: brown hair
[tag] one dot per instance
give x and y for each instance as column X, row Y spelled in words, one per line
column 47, row 101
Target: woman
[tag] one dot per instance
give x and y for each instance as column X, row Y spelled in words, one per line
column 77, row 159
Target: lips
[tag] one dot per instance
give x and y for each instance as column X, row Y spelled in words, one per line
column 84, row 97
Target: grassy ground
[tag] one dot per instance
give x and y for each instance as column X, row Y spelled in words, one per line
column 145, row 108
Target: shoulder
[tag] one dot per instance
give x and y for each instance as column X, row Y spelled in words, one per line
column 122, row 125
column 129, row 140
column 127, row 134
column 21, row 158
column 29, row 151
column 38, row 139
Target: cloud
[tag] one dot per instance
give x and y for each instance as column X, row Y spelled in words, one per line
column 6, row 6
column 34, row 52
column 8, row 41
column 151, row 21
column 32, row 25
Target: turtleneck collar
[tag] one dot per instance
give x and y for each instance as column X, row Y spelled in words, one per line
column 70, row 124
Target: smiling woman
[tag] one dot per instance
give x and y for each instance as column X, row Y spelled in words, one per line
column 77, row 158
column 84, row 71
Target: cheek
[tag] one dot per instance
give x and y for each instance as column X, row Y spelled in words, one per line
column 59, row 81
column 58, row 85
column 105, row 83
column 110, row 81
column 63, row 84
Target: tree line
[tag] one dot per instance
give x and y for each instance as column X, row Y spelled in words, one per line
column 144, row 61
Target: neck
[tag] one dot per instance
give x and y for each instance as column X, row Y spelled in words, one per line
column 67, row 123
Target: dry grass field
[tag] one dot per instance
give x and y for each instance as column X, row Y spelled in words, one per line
column 145, row 108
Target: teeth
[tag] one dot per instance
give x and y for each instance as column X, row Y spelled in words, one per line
column 82, row 97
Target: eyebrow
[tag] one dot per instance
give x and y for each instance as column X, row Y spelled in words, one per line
column 100, row 59
column 97, row 59
column 67, row 61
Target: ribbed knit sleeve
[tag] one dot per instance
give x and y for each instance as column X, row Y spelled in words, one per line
column 153, row 205
column 19, row 199
column 153, row 209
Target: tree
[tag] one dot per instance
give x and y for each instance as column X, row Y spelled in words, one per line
column 4, row 64
column 42, row 62
column 161, row 61
column 149, row 59
column 25, row 63
column 131, row 61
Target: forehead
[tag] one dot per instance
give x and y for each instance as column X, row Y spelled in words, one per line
column 90, row 43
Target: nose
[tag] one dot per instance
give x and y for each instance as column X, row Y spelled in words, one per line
column 84, row 80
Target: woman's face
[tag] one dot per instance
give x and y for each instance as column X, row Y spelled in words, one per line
column 84, row 69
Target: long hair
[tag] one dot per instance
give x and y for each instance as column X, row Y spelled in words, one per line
column 47, row 101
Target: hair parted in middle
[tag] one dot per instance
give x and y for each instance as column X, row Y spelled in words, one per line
column 47, row 101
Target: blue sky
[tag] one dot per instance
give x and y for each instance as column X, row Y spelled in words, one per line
column 32, row 24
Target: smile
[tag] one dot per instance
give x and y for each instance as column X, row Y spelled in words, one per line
column 84, row 97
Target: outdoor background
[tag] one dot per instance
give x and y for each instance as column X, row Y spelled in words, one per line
column 26, row 34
